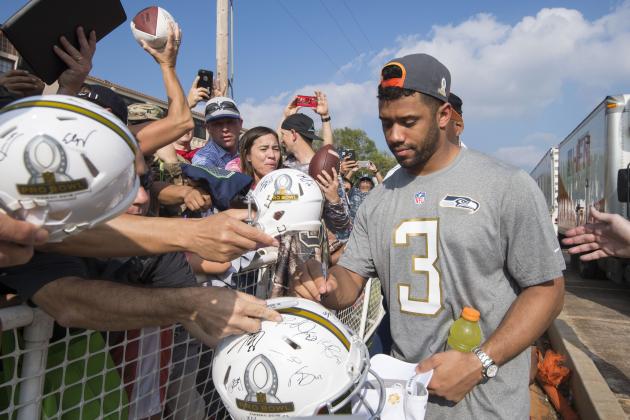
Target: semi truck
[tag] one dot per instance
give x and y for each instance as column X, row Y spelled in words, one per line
column 546, row 176
column 590, row 160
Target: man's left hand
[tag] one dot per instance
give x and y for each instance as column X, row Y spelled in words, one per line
column 454, row 374
column 79, row 61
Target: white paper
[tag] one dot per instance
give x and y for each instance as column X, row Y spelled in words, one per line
column 406, row 395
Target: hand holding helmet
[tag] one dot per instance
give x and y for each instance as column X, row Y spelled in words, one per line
column 65, row 164
column 307, row 364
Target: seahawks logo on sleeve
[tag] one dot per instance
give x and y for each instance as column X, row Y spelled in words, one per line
column 460, row 202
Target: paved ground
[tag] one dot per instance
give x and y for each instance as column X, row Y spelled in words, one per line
column 599, row 313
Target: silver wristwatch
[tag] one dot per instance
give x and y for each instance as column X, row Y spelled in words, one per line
column 489, row 368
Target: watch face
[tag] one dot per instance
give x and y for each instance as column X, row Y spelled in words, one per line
column 492, row 370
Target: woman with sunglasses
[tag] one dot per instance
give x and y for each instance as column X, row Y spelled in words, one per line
column 259, row 152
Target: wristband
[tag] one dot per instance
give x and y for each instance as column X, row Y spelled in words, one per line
column 326, row 119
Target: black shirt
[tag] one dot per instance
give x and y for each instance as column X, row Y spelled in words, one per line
column 165, row 270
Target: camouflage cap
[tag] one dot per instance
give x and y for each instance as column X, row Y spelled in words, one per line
column 144, row 112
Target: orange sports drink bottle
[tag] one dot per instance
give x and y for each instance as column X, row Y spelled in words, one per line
column 465, row 333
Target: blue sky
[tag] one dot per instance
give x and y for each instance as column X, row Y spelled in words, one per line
column 528, row 72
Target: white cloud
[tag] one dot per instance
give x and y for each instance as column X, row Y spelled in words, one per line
column 502, row 70
column 349, row 103
column 542, row 138
column 523, row 156
column 499, row 70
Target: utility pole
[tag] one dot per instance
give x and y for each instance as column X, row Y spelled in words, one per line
column 222, row 44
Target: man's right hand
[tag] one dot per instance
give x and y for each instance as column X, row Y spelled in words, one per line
column 197, row 199
column 21, row 83
column 312, row 284
column 347, row 166
column 608, row 235
column 197, row 94
column 17, row 239
column 218, row 312
column 224, row 236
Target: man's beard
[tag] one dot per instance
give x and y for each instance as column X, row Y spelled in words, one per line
column 425, row 150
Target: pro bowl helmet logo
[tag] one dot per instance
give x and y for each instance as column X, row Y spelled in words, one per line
column 46, row 162
column 261, row 383
column 282, row 190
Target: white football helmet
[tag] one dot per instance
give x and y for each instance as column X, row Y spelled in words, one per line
column 288, row 200
column 307, row 364
column 66, row 164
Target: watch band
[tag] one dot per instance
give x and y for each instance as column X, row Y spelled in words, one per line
column 326, row 119
column 489, row 368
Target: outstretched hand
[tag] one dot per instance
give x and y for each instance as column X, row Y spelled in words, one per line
column 166, row 56
column 608, row 236
column 79, row 61
column 322, row 103
column 197, row 94
column 21, row 83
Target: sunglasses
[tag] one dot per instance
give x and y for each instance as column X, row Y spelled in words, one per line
column 215, row 106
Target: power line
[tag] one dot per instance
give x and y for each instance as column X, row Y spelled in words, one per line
column 358, row 24
column 340, row 27
column 308, row 35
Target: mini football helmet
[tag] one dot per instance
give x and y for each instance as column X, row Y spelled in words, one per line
column 66, row 164
column 288, row 200
column 307, row 364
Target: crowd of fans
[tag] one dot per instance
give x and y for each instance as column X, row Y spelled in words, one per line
column 159, row 263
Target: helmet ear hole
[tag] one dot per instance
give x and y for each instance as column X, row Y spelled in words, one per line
column 278, row 215
column 226, row 378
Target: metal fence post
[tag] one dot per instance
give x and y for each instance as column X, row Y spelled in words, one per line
column 36, row 338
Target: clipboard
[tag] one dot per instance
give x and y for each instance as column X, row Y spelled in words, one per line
column 36, row 27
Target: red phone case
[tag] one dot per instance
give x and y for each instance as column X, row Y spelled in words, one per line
column 307, row 101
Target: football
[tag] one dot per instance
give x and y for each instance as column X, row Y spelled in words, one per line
column 325, row 159
column 151, row 25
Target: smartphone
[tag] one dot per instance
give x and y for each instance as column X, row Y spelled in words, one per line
column 205, row 79
column 307, row 101
column 348, row 153
column 363, row 163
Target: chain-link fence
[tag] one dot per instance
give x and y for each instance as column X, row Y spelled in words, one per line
column 50, row 372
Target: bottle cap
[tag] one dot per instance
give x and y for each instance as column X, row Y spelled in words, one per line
column 470, row 314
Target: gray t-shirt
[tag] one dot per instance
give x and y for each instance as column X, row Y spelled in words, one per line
column 472, row 234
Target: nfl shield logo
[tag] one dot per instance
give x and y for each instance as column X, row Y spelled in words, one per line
column 419, row 197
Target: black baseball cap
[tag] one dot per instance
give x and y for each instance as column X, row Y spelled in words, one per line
column 419, row 72
column 301, row 124
column 106, row 98
column 456, row 103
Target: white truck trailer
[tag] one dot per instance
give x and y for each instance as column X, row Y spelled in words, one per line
column 589, row 160
column 546, row 176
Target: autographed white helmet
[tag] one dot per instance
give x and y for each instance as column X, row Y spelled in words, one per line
column 288, row 200
column 66, row 164
column 307, row 364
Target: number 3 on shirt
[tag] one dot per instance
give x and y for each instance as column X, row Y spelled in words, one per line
column 427, row 229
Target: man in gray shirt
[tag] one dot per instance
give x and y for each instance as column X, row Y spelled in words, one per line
column 454, row 228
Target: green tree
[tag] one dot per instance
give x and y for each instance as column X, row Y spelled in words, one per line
column 364, row 147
